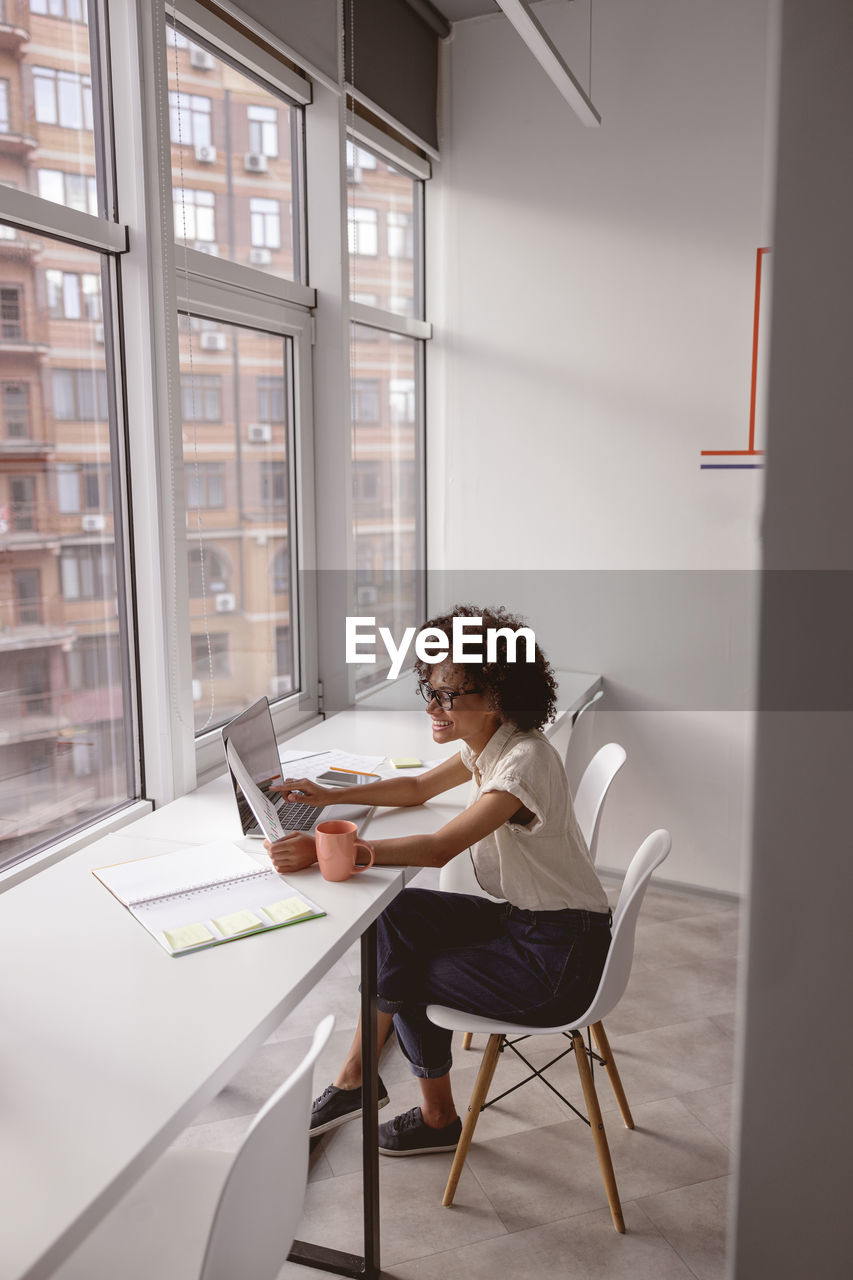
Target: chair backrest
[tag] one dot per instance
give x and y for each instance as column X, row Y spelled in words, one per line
column 261, row 1201
column 577, row 736
column 617, row 968
column 592, row 789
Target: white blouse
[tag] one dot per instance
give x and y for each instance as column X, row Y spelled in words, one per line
column 545, row 865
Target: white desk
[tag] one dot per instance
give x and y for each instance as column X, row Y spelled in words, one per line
column 110, row 1047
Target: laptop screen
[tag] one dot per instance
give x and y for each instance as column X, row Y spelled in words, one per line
column 253, row 738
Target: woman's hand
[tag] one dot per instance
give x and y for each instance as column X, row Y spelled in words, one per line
column 303, row 789
column 292, row 853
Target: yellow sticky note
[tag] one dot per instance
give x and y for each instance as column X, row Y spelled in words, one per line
column 406, row 762
column 189, row 935
column 238, row 922
column 286, row 910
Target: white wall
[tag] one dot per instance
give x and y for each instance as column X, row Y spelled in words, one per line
column 593, row 297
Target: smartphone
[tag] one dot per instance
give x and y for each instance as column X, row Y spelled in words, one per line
column 346, row 778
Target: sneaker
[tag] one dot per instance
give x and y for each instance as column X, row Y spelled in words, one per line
column 335, row 1106
column 408, row 1135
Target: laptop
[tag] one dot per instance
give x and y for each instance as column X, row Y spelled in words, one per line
column 253, row 737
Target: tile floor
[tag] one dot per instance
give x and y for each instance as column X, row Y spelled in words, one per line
column 530, row 1202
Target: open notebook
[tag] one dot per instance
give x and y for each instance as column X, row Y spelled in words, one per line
column 200, row 897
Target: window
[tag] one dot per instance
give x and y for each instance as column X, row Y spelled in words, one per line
column 16, row 410
column 281, row 579
column 62, row 97
column 28, row 596
column 22, row 494
column 194, row 215
column 74, row 190
column 263, row 130
column 357, row 160
column 80, row 395
column 401, row 240
column 83, row 488
column 273, row 483
column 75, row 10
column 217, row 655
column 401, row 396
column 270, row 399
column 87, row 572
column 363, row 232
column 94, row 663
column 205, row 484
column 11, row 325
column 367, row 478
column 4, row 106
column 189, row 119
column 73, row 297
column 365, row 400
column 266, row 223
column 202, row 397
column 208, row 571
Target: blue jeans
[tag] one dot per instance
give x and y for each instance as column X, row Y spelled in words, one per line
column 541, row 968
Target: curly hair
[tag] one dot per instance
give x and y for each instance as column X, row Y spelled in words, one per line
column 523, row 692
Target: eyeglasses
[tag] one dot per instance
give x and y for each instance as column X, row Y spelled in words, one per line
column 444, row 697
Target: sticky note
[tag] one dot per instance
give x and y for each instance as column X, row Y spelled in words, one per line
column 406, row 762
column 238, row 922
column 188, row 935
column 286, row 910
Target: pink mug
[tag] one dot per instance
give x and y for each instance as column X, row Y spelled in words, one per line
column 336, row 849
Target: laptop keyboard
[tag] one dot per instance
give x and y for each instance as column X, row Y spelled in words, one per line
column 297, row 816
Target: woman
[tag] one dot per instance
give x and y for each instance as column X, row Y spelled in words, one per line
column 534, row 957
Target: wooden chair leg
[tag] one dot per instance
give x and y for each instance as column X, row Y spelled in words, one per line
column 475, row 1106
column 599, row 1136
column 599, row 1035
column 466, row 1039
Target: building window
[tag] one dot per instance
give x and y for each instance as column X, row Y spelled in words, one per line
column 189, row 119
column 401, row 397
column 74, row 10
column 94, row 663
column 270, row 399
column 16, row 410
column 366, row 482
column 265, row 217
column 28, row 596
column 80, row 395
column 202, row 397
column 401, row 239
column 218, row 654
column 281, row 576
column 22, row 492
column 71, row 296
column 83, row 488
column 263, row 131
column 205, row 485
column 74, row 190
column 11, row 319
column 87, row 572
column 363, row 232
column 4, row 106
column 358, row 160
column 208, row 572
column 63, row 98
column 273, row 483
column 194, row 214
column 365, row 400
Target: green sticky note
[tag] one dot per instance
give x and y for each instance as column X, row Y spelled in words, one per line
column 188, row 935
column 238, row 922
column 406, row 762
column 286, row 910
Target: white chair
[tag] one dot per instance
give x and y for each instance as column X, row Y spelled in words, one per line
column 208, row 1215
column 614, row 979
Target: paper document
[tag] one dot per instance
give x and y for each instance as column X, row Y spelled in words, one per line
column 298, row 764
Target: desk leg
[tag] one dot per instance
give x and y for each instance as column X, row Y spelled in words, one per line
column 335, row 1260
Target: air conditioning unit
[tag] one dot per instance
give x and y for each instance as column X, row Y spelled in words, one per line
column 99, row 333
column 201, row 59
column 279, row 685
column 205, row 154
column 226, row 603
column 254, row 162
column 94, row 524
column 259, row 433
column 196, row 691
column 212, row 341
column 367, row 596
column 205, row 246
column 260, row 257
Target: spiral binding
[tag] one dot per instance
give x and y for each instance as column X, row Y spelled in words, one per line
column 201, row 887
